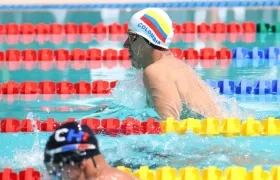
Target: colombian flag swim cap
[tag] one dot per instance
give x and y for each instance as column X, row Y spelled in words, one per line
column 153, row 24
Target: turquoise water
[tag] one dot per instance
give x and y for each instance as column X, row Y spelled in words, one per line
column 20, row 150
column 128, row 100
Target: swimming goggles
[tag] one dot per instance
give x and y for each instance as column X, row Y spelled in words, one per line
column 71, row 147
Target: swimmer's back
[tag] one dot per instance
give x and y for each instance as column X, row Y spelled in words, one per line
column 114, row 174
column 172, row 82
column 177, row 72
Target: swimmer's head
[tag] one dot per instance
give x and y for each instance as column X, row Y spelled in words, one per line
column 69, row 150
column 149, row 30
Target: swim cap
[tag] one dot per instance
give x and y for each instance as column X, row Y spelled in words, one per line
column 153, row 24
column 71, row 143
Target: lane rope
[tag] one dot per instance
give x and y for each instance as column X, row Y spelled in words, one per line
column 48, row 56
column 228, row 127
column 66, row 89
column 167, row 173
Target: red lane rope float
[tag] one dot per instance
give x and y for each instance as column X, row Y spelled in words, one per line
column 109, row 126
column 46, row 90
column 85, row 32
column 115, row 28
column 25, row 174
column 93, row 58
column 63, row 87
column 47, row 59
column 95, row 54
column 111, row 64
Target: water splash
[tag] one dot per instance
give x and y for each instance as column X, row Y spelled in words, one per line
column 33, row 157
column 36, row 146
column 184, row 150
column 230, row 106
column 131, row 93
column 130, row 97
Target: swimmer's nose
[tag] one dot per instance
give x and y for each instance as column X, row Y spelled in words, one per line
column 126, row 43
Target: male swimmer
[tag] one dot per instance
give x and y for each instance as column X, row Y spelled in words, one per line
column 72, row 153
column 170, row 82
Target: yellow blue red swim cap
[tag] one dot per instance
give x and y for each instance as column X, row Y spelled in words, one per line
column 153, row 24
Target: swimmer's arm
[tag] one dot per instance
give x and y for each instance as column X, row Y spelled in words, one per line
column 164, row 95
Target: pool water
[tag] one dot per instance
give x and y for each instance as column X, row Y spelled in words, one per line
column 20, row 150
column 128, row 99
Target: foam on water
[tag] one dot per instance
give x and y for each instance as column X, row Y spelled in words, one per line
column 24, row 157
column 179, row 151
column 231, row 108
column 131, row 93
column 131, row 96
column 34, row 157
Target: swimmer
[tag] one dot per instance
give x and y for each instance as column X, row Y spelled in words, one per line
column 72, row 153
column 170, row 82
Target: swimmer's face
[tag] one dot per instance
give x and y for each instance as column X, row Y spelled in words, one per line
column 73, row 172
column 139, row 49
column 85, row 170
column 69, row 172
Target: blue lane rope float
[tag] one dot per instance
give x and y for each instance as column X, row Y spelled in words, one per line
column 255, row 53
column 257, row 87
column 254, row 63
column 184, row 4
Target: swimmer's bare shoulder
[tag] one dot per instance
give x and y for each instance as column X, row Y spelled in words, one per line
column 158, row 72
column 115, row 174
column 164, row 67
